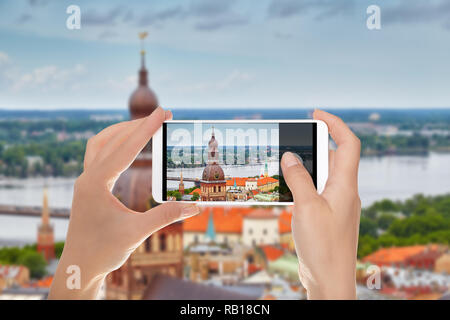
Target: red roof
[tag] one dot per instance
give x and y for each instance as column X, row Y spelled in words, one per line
column 198, row 190
column 261, row 214
column 225, row 220
column 272, row 253
column 389, row 256
column 239, row 182
column 230, row 219
column 267, row 180
column 284, row 222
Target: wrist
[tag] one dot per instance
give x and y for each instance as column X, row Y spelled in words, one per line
column 75, row 280
column 332, row 285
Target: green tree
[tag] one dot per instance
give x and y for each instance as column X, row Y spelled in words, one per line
column 367, row 227
column 35, row 262
column 195, row 196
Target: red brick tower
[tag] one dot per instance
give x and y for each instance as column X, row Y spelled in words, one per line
column 45, row 238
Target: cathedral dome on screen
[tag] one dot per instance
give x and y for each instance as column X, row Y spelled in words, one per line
column 213, row 172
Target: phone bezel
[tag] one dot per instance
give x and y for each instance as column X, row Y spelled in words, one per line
column 322, row 141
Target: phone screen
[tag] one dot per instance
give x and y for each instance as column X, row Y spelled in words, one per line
column 233, row 161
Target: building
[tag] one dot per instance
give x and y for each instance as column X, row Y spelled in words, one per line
column 162, row 253
column 260, row 227
column 418, row 256
column 45, row 237
column 284, row 228
column 181, row 184
column 213, row 184
column 442, row 264
column 13, row 276
column 229, row 227
column 166, row 288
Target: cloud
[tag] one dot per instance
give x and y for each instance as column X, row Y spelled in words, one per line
column 321, row 8
column 221, row 22
column 4, row 59
column 413, row 11
column 24, row 18
column 37, row 3
column 111, row 17
column 236, row 77
column 151, row 17
column 47, row 77
column 214, row 15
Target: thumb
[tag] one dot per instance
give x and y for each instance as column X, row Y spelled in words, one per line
column 297, row 178
column 165, row 214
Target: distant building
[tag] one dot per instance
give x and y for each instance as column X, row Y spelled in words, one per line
column 442, row 264
column 419, row 256
column 162, row 253
column 229, row 227
column 45, row 237
column 13, row 276
column 181, row 184
column 213, row 184
column 260, row 227
column 167, row 288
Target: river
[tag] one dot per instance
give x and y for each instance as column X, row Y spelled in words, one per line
column 393, row 177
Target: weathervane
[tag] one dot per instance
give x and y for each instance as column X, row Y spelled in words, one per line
column 142, row 36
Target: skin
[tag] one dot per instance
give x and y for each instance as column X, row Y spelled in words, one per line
column 325, row 227
column 103, row 232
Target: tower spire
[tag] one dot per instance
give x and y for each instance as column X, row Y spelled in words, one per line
column 143, row 81
column 45, row 210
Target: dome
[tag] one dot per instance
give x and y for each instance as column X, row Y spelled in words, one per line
column 213, row 172
column 143, row 100
column 134, row 187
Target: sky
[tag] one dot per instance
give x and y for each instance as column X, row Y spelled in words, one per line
column 226, row 54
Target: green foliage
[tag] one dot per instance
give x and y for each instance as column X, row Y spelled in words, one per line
column 59, row 247
column 419, row 220
column 367, row 227
column 174, row 193
column 385, row 220
column 35, row 262
column 195, row 196
column 26, row 256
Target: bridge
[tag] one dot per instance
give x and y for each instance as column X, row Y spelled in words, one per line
column 196, row 181
column 25, row 211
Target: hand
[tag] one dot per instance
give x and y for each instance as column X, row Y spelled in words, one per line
column 102, row 231
column 325, row 227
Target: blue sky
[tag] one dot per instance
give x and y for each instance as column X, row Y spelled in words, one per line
column 233, row 54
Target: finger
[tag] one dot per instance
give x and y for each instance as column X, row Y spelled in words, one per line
column 347, row 155
column 96, row 143
column 331, row 156
column 168, row 115
column 151, row 221
column 115, row 141
column 122, row 157
column 123, row 135
column 298, row 179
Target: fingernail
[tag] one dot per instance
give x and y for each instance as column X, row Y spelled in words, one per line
column 189, row 211
column 291, row 159
column 168, row 114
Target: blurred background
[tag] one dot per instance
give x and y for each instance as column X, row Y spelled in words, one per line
column 205, row 59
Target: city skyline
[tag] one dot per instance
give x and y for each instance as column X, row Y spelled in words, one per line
column 234, row 54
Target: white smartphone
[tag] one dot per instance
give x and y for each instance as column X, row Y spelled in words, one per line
column 234, row 162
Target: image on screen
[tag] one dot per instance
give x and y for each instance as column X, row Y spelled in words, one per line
column 232, row 161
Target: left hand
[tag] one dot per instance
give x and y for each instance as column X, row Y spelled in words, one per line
column 102, row 231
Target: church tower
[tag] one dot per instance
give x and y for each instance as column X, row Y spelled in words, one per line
column 45, row 238
column 162, row 253
column 213, row 183
column 181, row 185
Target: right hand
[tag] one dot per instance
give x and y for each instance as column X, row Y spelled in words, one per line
column 325, row 227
